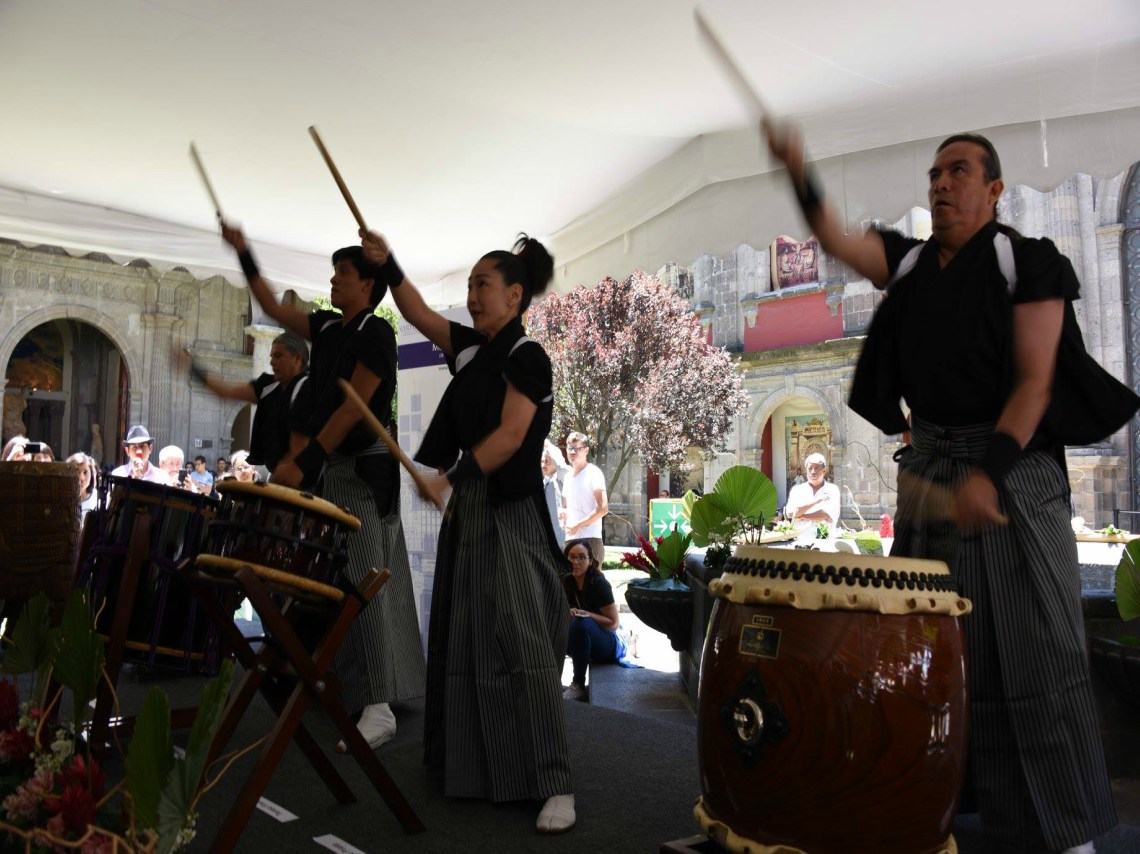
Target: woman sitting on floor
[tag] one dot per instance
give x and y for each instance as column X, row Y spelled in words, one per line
column 594, row 636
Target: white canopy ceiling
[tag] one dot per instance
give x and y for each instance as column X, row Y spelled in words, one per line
column 457, row 124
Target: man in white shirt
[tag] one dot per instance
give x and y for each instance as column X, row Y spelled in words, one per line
column 815, row 500
column 584, row 497
column 138, row 446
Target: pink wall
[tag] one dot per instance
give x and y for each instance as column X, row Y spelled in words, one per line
column 787, row 322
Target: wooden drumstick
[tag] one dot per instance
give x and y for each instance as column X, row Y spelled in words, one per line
column 732, row 70
column 372, row 421
column 339, row 181
column 206, row 180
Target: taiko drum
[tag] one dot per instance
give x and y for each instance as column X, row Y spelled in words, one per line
column 832, row 708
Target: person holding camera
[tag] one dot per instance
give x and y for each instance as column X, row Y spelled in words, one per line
column 138, row 446
column 20, row 450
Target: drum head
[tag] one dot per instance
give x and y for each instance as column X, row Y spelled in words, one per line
column 292, row 497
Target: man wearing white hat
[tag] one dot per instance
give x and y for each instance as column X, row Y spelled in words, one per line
column 814, row 501
column 138, row 446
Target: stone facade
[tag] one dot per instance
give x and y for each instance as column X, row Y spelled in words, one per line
column 145, row 314
column 1082, row 215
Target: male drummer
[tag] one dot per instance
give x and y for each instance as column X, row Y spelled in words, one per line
column 138, row 446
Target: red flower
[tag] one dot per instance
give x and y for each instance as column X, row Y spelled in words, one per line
column 77, row 808
column 16, row 746
column 86, row 775
column 886, row 529
column 9, row 705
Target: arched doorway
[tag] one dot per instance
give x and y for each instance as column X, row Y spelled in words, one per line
column 66, row 385
column 796, row 428
column 239, row 432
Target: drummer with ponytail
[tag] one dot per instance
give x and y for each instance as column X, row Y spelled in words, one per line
column 499, row 621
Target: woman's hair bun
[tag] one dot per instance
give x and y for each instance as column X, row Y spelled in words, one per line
column 538, row 262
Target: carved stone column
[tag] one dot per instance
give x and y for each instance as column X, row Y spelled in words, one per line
column 263, row 336
column 159, row 331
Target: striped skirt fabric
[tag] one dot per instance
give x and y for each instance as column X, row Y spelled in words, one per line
column 381, row 659
column 1036, row 760
column 494, row 725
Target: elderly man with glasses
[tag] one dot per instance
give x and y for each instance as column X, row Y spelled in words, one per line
column 584, row 498
column 815, row 500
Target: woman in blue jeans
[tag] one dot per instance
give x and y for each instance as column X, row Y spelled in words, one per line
column 593, row 617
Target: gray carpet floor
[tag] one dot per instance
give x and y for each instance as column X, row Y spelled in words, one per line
column 636, row 781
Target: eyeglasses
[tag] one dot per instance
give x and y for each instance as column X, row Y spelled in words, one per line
column 573, row 449
column 579, row 558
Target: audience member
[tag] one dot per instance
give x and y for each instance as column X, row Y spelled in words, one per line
column 85, row 471
column 138, row 446
column 170, row 460
column 202, row 476
column 242, row 469
column 221, row 469
column 584, row 497
column 553, row 464
column 594, row 637
column 19, row 449
column 815, row 501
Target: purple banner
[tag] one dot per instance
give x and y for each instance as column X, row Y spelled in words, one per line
column 422, row 354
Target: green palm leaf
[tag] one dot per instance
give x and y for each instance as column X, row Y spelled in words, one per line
column 1127, row 585
column 744, row 491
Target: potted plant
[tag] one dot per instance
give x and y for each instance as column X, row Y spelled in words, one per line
column 1118, row 661
column 733, row 512
column 662, row 601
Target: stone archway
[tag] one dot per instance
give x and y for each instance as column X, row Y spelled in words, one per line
column 1130, row 262
column 67, row 381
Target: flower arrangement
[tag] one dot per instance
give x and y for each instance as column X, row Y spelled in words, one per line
column 886, row 527
column 54, row 797
column 661, row 557
column 733, row 512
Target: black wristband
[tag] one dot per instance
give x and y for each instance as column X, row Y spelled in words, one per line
column 197, row 373
column 311, row 460
column 1001, row 455
column 390, row 272
column 811, row 196
column 465, row 469
column 248, row 265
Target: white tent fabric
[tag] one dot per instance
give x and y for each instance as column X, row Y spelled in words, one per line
column 456, row 124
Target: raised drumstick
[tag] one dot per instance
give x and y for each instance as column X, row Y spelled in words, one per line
column 729, row 66
column 206, row 180
column 339, row 181
column 373, row 422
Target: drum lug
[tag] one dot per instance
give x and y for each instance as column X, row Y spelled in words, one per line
column 752, row 720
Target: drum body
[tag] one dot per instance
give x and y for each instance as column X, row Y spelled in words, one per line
column 281, row 528
column 39, row 529
column 165, row 620
column 829, row 730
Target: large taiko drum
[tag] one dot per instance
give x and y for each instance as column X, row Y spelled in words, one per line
column 166, row 627
column 832, row 706
column 39, row 529
column 281, row 528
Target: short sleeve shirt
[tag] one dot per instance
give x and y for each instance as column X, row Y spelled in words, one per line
column 581, row 502
column 338, row 347
column 954, row 324
column 472, row 406
column 269, row 438
column 595, row 594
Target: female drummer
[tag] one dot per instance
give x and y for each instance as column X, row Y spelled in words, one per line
column 381, row 660
column 275, row 395
column 494, row 725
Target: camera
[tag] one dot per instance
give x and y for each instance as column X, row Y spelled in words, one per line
column 35, row 448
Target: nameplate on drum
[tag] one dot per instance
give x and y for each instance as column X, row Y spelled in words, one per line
column 760, row 640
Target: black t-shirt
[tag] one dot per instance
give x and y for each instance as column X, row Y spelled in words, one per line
column 953, row 326
column 472, row 405
column 337, row 349
column 269, row 438
column 595, row 594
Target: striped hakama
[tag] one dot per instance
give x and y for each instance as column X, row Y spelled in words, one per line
column 381, row 659
column 1035, row 750
column 494, row 724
